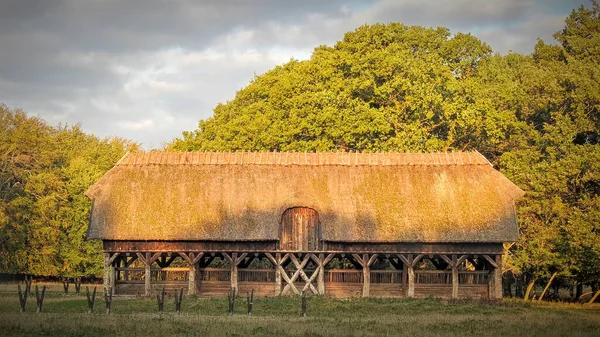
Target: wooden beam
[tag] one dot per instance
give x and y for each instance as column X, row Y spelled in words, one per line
column 417, row 259
column 446, row 259
column 461, row 259
column 490, row 261
column 113, row 258
column 396, row 263
column 359, row 260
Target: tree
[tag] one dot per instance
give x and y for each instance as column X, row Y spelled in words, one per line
column 43, row 213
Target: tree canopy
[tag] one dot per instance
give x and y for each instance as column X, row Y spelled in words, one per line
column 44, row 171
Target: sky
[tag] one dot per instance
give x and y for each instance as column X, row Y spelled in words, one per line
column 146, row 70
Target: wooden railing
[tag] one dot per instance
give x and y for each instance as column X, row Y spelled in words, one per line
column 445, row 277
column 215, row 274
column 156, row 274
column 386, row 276
column 433, row 277
column 343, row 276
column 356, row 276
column 473, row 277
column 136, row 275
column 256, row 275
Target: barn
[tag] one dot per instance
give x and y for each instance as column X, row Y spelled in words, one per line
column 335, row 224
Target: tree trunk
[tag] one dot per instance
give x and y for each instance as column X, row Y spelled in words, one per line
column 507, row 282
column 519, row 293
column 578, row 290
column 546, row 288
column 529, row 288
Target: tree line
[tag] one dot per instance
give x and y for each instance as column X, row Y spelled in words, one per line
column 383, row 87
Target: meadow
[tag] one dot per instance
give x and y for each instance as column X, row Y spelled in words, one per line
column 67, row 315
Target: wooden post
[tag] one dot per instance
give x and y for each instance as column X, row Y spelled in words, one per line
column 234, row 260
column 276, row 261
column 192, row 278
column 90, row 300
column 454, row 277
column 322, row 262
column 193, row 260
column 178, row 300
column 366, row 277
column 454, row 262
column 498, row 277
column 365, row 261
column 147, row 275
column 234, row 272
column 22, row 298
column 321, row 276
column 39, row 298
column 404, row 276
column 408, row 262
column 106, row 278
column 278, row 274
column 495, row 277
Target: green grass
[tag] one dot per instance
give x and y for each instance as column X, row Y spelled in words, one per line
column 280, row 316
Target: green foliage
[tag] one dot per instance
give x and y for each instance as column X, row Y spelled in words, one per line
column 382, row 88
column 44, row 172
column 397, row 88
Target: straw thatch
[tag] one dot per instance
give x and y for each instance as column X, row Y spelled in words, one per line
column 360, row 197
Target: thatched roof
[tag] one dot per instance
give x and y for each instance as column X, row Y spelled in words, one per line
column 360, row 197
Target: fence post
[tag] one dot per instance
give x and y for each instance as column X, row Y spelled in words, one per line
column 66, row 285
column 39, row 298
column 108, row 299
column 160, row 298
column 22, row 298
column 231, row 300
column 28, row 284
column 90, row 300
column 250, row 302
column 178, row 300
column 77, row 285
column 303, row 304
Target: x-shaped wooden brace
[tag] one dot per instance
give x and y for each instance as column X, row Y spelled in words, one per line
column 299, row 273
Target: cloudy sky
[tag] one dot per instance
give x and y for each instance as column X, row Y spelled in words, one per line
column 148, row 69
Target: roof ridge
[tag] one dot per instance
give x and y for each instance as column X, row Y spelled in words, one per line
column 297, row 158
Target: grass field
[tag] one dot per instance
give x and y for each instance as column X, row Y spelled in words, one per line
column 67, row 316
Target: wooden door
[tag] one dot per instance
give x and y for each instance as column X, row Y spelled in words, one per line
column 300, row 230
